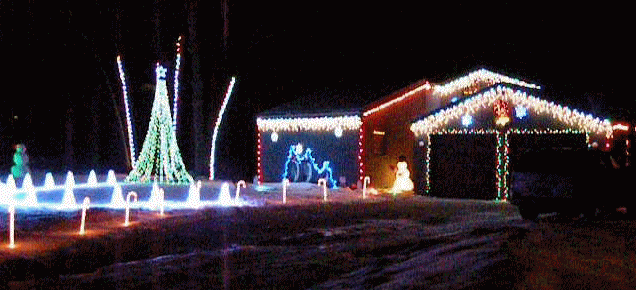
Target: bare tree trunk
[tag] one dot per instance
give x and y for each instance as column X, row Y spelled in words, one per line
column 69, row 154
column 198, row 124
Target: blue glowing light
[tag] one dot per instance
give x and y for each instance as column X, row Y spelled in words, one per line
column 467, row 120
column 295, row 156
column 454, row 99
column 521, row 112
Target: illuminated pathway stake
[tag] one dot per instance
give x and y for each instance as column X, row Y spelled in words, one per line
column 68, row 199
column 132, row 193
column 31, row 197
column 111, row 179
column 156, row 199
column 117, row 199
column 10, row 186
column 285, row 184
column 367, row 179
column 324, row 188
column 49, row 183
column 92, row 179
column 224, row 197
column 12, row 226
column 238, row 188
column 85, row 204
column 194, row 195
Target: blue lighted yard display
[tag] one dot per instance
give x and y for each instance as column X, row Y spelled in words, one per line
column 300, row 166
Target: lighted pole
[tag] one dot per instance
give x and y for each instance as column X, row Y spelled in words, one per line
column 133, row 194
column 176, row 86
column 285, row 184
column 12, row 226
column 366, row 180
column 85, row 204
column 131, row 140
column 218, row 123
column 324, row 188
column 238, row 188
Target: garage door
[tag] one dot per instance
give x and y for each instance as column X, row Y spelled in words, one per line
column 545, row 152
column 463, row 166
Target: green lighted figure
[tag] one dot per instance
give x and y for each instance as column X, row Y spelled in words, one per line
column 21, row 161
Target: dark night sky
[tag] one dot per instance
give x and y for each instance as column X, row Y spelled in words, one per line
column 60, row 63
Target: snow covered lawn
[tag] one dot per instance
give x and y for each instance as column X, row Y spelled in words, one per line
column 382, row 242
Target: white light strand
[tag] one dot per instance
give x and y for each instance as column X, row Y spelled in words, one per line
column 570, row 117
column 217, row 124
column 482, row 75
column 309, row 124
column 425, row 86
column 131, row 140
column 176, row 86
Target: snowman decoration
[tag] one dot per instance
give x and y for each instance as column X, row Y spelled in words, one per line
column 21, row 162
column 403, row 180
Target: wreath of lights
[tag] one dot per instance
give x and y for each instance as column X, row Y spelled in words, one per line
column 129, row 126
column 571, row 118
column 160, row 159
column 309, row 124
column 502, row 112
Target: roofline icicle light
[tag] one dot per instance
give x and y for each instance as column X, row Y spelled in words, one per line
column 131, row 140
column 176, row 86
column 481, row 75
column 309, row 124
column 564, row 114
column 217, row 124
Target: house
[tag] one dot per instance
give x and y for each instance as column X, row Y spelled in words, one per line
column 455, row 136
column 304, row 147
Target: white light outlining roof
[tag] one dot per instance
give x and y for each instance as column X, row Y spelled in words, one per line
column 481, row 75
column 309, row 124
column 570, row 117
column 425, row 86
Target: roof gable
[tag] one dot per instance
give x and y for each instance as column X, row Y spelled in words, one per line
column 570, row 118
column 466, row 85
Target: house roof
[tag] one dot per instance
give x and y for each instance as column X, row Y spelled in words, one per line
column 466, row 84
column 322, row 104
column 518, row 97
column 327, row 104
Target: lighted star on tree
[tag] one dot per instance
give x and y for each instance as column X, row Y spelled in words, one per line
column 160, row 157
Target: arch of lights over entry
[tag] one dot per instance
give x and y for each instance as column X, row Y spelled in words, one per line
column 502, row 112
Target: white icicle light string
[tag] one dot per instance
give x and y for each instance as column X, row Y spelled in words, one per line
column 309, row 124
column 564, row 114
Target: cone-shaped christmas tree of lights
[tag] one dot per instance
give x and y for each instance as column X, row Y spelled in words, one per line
column 160, row 158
